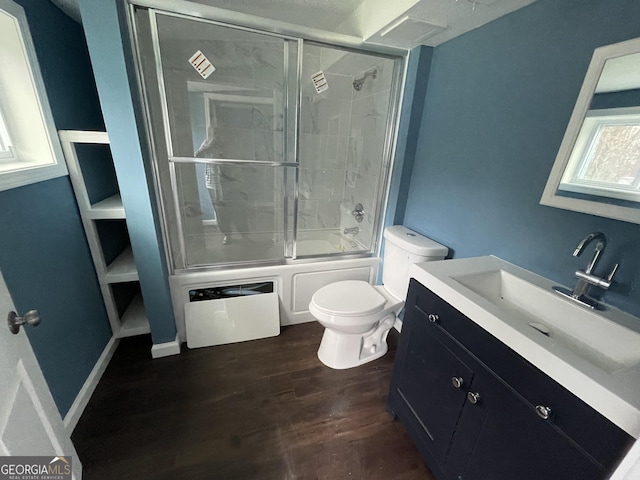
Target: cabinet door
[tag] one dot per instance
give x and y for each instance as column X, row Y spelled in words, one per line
column 501, row 437
column 426, row 385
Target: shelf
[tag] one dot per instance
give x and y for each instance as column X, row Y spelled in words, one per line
column 109, row 208
column 122, row 269
column 134, row 321
column 83, row 136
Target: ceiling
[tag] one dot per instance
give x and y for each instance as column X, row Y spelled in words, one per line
column 397, row 23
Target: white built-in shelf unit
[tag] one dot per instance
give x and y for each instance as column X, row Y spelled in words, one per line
column 125, row 320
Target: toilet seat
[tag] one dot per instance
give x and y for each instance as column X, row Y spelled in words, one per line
column 348, row 298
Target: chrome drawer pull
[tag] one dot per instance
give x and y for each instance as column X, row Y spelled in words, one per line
column 433, row 318
column 543, row 412
column 473, row 397
column 457, row 382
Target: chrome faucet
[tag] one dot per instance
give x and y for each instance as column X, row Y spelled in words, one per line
column 585, row 277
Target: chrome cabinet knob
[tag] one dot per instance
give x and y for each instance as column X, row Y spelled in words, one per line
column 543, row 412
column 433, row 318
column 473, row 397
column 457, row 382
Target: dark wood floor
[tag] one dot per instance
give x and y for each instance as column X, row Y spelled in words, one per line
column 266, row 409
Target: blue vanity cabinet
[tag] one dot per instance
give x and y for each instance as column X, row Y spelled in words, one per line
column 425, row 387
column 470, row 404
column 502, row 437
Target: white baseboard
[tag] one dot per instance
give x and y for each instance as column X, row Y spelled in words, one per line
column 90, row 384
column 166, row 349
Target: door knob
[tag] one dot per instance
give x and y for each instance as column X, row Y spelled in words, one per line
column 32, row 317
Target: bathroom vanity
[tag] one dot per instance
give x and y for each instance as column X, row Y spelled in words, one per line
column 474, row 389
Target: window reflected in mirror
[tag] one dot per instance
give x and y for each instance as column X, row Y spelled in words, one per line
column 597, row 169
column 606, row 158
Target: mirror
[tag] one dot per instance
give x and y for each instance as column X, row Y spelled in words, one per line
column 597, row 169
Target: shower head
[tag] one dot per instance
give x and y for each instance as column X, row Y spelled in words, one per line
column 359, row 82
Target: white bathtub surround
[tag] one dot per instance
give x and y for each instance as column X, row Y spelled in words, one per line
column 260, row 247
column 295, row 284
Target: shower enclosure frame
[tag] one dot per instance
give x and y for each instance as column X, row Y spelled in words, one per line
column 245, row 22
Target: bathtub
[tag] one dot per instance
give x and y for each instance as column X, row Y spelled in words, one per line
column 295, row 282
column 326, row 242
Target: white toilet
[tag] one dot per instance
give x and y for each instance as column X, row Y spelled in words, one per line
column 356, row 315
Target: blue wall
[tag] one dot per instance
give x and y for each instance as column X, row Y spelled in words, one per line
column 415, row 90
column 113, row 74
column 498, row 102
column 44, row 256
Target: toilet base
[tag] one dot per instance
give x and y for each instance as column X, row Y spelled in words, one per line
column 342, row 350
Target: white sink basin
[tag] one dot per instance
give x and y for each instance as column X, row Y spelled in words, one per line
column 602, row 342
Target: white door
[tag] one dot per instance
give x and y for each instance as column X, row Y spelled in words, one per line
column 30, row 423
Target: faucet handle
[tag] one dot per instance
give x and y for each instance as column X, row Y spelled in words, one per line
column 613, row 272
column 591, row 279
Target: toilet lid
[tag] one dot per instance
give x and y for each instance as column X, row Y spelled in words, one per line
column 349, row 298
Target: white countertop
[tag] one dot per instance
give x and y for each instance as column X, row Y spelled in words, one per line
column 615, row 395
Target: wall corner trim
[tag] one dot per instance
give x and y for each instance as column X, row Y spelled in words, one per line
column 166, row 349
column 89, row 386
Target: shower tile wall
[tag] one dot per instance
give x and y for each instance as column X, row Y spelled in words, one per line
column 248, row 69
column 370, row 107
column 237, row 113
column 342, row 139
column 324, row 140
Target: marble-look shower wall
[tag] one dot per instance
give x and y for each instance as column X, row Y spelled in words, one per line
column 236, row 113
column 325, row 122
column 370, row 109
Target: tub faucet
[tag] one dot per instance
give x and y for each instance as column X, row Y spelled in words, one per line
column 358, row 212
column 586, row 277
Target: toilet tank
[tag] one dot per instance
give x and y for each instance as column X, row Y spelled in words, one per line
column 403, row 248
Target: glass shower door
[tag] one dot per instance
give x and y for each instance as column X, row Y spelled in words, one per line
column 346, row 130
column 228, row 99
column 267, row 148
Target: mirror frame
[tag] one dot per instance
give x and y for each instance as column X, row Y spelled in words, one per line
column 549, row 196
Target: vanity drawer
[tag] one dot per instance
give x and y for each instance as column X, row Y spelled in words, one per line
column 594, row 433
